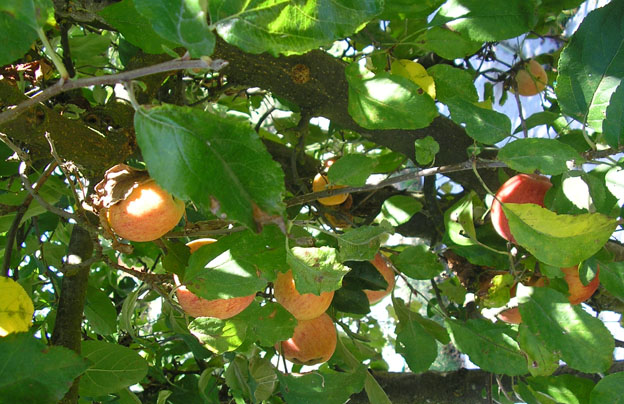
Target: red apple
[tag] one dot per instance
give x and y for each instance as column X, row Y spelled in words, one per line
column 303, row 306
column 384, row 266
column 522, row 188
column 196, row 306
column 314, row 341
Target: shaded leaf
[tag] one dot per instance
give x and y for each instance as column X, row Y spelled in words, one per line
column 33, row 372
column 137, row 29
column 180, row 21
column 362, row 243
column 326, row 386
column 17, row 29
column 582, row 340
column 114, row 368
column 351, row 170
column 491, row 346
column 418, row 262
column 610, row 389
column 546, row 155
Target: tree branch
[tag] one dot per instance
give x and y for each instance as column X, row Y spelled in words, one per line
column 62, row 86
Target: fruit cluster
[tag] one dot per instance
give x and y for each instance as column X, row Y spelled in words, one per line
column 137, row 209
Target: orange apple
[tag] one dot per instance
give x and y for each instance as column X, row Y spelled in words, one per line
column 303, row 306
column 579, row 292
column 321, row 183
column 384, row 266
column 531, row 79
column 149, row 212
column 521, row 188
column 314, row 341
column 196, row 306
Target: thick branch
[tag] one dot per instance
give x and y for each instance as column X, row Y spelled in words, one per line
column 67, row 330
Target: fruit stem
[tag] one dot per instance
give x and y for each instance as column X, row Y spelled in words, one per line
column 49, row 50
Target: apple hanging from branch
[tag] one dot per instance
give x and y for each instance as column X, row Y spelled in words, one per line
column 313, row 341
column 196, row 306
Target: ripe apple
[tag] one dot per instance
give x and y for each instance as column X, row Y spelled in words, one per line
column 531, row 79
column 521, row 188
column 303, row 306
column 196, row 306
column 384, row 266
column 321, row 183
column 314, row 341
column 148, row 213
column 578, row 292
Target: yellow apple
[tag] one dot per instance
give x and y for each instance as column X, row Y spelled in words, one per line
column 313, row 341
column 149, row 212
column 303, row 306
column 196, row 306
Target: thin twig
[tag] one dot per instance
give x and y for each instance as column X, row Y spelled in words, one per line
column 28, row 186
column 467, row 165
column 12, row 233
column 63, row 85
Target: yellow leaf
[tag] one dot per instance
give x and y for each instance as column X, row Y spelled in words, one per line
column 416, row 73
column 16, row 308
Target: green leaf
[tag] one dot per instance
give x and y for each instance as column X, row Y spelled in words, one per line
column 615, row 181
column 558, row 240
column 416, row 345
column 374, row 392
column 613, row 125
column 537, row 119
column 324, row 386
column 351, row 170
column 567, row 389
column 449, row 44
column 452, row 83
column 582, row 340
column 100, row 312
column 426, row 149
column 540, row 360
column 268, row 324
column 612, row 278
column 483, row 125
column 33, row 372
column 17, row 29
column 398, row 209
column 385, row 101
column 362, row 243
column 285, row 27
column 219, row 336
column 410, row 8
column 137, row 29
column 453, row 289
column 491, row 346
column 180, row 21
column 228, row 267
column 547, row 155
column 487, row 20
column 218, row 163
column 114, row 368
column 590, row 74
column 610, row 389
column 316, row 270
column 418, row 262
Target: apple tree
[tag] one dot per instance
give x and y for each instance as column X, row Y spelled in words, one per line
column 339, row 154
